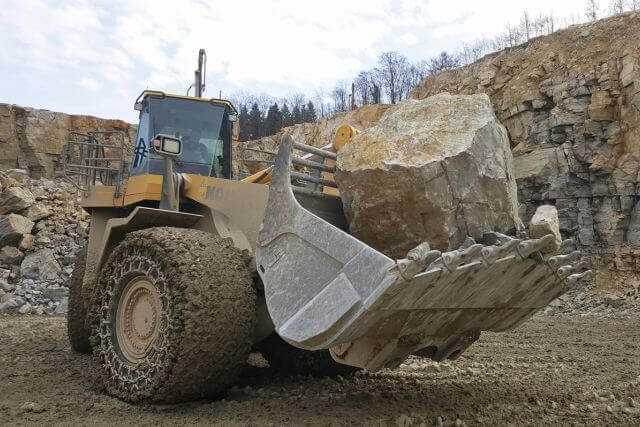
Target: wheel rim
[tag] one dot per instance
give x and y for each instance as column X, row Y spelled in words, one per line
column 138, row 319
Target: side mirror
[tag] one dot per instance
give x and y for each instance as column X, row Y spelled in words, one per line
column 167, row 145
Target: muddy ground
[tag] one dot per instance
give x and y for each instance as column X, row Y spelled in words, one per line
column 550, row 370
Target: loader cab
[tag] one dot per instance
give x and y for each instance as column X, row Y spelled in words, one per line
column 203, row 125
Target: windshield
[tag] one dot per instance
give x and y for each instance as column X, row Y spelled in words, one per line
column 199, row 126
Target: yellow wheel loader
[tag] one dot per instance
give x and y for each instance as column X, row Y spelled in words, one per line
column 186, row 269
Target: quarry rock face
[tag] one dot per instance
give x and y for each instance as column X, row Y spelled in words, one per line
column 570, row 102
column 435, row 170
column 32, row 139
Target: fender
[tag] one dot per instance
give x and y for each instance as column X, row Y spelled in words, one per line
column 140, row 218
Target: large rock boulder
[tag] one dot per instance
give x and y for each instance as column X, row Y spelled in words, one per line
column 12, row 228
column 15, row 199
column 435, row 170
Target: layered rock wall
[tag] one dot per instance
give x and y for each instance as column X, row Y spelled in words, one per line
column 570, row 102
column 32, row 139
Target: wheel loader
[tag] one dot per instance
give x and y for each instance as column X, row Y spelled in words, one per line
column 188, row 269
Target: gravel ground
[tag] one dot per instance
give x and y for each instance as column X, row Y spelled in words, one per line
column 550, row 370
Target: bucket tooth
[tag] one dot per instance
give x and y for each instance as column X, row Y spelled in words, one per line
column 556, row 261
column 417, row 260
column 565, row 271
column 491, row 254
column 451, row 260
column 471, row 252
column 528, row 247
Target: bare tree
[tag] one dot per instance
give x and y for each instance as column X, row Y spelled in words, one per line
column 420, row 69
column 634, row 5
column 321, row 101
column 592, row 8
column 339, row 96
column 617, row 6
column 472, row 51
column 390, row 67
column 526, row 25
column 442, row 62
column 363, row 88
column 546, row 24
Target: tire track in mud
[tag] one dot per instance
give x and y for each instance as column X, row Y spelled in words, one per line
column 550, row 370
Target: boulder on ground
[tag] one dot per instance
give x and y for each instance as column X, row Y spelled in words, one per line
column 41, row 265
column 26, row 243
column 15, row 199
column 545, row 221
column 436, row 170
column 12, row 228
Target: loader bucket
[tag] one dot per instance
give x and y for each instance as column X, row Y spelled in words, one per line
column 325, row 289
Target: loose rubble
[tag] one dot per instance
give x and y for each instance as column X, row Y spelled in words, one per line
column 42, row 227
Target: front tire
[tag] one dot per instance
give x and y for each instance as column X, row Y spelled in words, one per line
column 77, row 308
column 176, row 318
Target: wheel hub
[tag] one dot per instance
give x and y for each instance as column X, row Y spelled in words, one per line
column 138, row 320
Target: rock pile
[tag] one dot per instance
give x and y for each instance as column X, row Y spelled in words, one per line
column 42, row 228
column 435, row 170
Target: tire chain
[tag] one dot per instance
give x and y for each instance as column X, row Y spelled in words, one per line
column 139, row 380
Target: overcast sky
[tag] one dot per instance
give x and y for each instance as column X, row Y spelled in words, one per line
column 95, row 57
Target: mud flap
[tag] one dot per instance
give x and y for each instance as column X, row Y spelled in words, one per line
column 325, row 289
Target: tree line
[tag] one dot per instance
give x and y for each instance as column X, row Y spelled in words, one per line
column 394, row 76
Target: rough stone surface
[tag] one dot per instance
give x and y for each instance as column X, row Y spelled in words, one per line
column 32, row 139
column 435, row 170
column 12, row 228
column 15, row 199
column 545, row 221
column 10, row 255
column 40, row 265
column 36, row 212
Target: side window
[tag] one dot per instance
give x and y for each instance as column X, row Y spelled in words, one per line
column 141, row 146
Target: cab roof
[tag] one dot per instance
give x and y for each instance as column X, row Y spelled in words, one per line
column 160, row 94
